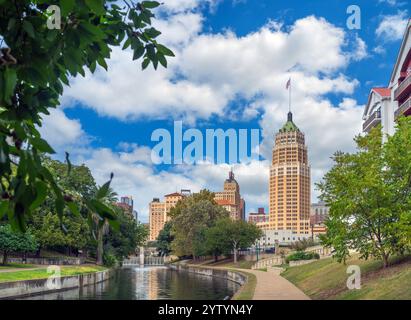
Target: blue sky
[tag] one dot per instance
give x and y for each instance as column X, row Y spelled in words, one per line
column 232, row 61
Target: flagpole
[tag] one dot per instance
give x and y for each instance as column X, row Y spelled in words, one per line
column 289, row 98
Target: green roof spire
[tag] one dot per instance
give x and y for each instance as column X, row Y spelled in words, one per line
column 289, row 125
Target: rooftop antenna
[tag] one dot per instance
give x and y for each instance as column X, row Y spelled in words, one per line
column 288, row 87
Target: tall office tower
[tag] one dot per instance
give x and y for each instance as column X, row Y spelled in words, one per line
column 231, row 199
column 289, row 187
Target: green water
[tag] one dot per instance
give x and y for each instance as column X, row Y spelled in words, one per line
column 151, row 283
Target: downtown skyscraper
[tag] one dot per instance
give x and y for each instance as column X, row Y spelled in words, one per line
column 289, row 186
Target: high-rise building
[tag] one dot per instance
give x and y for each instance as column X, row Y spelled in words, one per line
column 158, row 211
column 230, row 198
column 289, row 186
column 385, row 105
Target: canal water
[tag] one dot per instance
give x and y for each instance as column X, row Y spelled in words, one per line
column 150, row 283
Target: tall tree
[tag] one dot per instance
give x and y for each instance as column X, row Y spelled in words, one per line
column 230, row 235
column 38, row 57
column 190, row 216
column 165, row 238
column 369, row 196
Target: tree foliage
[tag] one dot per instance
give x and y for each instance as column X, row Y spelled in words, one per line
column 164, row 239
column 190, row 216
column 369, row 194
column 11, row 241
column 230, row 235
column 130, row 235
column 35, row 64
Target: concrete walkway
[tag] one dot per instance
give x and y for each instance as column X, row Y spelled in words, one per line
column 271, row 286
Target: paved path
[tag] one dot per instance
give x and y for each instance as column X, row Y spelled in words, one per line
column 271, row 286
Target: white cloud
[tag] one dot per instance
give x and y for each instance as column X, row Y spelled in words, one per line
column 392, row 27
column 213, row 69
column 60, row 131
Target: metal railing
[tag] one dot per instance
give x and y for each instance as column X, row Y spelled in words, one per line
column 403, row 108
column 372, row 121
column 404, row 84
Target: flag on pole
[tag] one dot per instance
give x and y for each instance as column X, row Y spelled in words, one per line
column 288, row 84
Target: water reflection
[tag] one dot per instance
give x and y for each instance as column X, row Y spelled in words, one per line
column 150, row 283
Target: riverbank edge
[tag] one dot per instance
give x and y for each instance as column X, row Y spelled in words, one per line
column 33, row 287
column 243, row 278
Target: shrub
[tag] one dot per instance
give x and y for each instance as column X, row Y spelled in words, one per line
column 109, row 260
column 301, row 255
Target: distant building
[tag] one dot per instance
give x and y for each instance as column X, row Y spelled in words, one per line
column 135, row 215
column 126, row 203
column 258, row 217
column 318, row 213
column 230, row 198
column 158, row 211
column 282, row 237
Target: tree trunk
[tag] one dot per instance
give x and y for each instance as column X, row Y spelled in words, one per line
column 5, row 258
column 385, row 260
column 100, row 246
column 215, row 257
column 235, row 255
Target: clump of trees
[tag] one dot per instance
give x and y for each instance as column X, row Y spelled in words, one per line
column 11, row 241
column 369, row 194
column 107, row 240
column 199, row 227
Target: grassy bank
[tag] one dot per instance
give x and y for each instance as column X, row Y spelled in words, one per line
column 326, row 279
column 247, row 290
column 41, row 273
column 16, row 266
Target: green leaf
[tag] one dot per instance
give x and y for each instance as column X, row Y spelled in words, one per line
column 96, row 6
column 73, row 208
column 66, row 6
column 11, row 24
column 138, row 52
column 145, row 63
column 41, row 193
column 127, row 43
column 162, row 59
column 152, row 32
column 9, row 83
column 103, row 210
column 28, row 27
column 102, row 63
column 150, row 4
column 103, row 191
column 4, row 205
column 41, row 145
column 164, row 50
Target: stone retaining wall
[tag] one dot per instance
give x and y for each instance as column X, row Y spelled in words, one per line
column 25, row 288
column 49, row 261
column 234, row 276
column 300, row 262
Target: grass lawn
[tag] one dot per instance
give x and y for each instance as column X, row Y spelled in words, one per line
column 16, row 265
column 326, row 279
column 247, row 291
column 42, row 273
